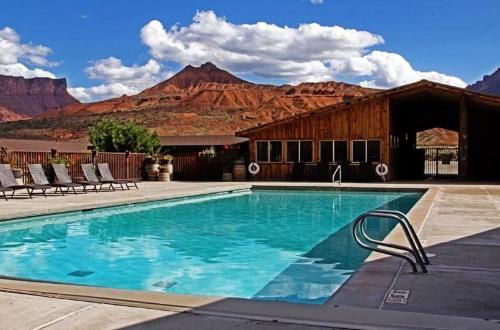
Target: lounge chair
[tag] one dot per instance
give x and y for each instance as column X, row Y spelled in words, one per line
column 107, row 177
column 3, row 190
column 91, row 177
column 7, row 180
column 64, row 180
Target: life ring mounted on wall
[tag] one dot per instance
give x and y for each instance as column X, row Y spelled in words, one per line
column 254, row 168
column 382, row 170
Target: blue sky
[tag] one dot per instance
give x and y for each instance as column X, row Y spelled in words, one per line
column 380, row 43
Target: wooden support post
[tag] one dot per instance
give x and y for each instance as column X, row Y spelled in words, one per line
column 463, row 141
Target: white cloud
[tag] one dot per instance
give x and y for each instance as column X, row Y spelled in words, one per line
column 309, row 52
column 262, row 49
column 119, row 79
column 389, row 70
column 19, row 69
column 317, row 2
column 16, row 56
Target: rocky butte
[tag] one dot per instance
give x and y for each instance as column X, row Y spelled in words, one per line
column 21, row 98
column 490, row 84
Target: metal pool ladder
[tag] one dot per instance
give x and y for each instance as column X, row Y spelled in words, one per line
column 415, row 250
column 339, row 171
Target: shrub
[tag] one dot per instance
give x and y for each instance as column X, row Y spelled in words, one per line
column 115, row 136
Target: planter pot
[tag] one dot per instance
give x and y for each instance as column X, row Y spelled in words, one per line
column 164, row 177
column 227, row 176
column 18, row 173
column 170, row 168
column 153, row 170
column 239, row 172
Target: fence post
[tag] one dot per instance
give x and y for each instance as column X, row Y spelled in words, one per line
column 127, row 165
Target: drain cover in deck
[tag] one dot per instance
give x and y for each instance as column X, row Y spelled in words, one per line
column 398, row 297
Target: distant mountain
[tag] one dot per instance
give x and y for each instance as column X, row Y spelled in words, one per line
column 192, row 77
column 201, row 100
column 490, row 84
column 30, row 97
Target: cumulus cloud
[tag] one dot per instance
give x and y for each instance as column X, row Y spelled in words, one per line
column 267, row 50
column 119, row 79
column 309, row 52
column 16, row 57
column 389, row 69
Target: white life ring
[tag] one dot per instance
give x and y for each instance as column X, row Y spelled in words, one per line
column 254, row 168
column 381, row 169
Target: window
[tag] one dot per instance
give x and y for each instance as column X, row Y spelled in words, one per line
column 299, row 151
column 262, row 151
column 340, row 152
column 373, row 151
column 333, row 151
column 269, row 151
column 292, row 151
column 326, row 151
column 275, row 151
column 359, row 151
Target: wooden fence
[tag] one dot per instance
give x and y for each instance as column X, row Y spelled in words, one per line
column 193, row 166
column 122, row 165
column 187, row 165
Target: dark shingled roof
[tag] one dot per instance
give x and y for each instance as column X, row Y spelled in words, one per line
column 201, row 140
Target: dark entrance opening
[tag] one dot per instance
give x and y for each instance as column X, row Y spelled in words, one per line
column 413, row 115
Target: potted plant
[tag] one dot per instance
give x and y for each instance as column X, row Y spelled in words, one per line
column 170, row 167
column 18, row 172
column 163, row 174
column 152, row 167
column 60, row 160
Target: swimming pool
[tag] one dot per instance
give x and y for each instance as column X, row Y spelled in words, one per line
column 286, row 245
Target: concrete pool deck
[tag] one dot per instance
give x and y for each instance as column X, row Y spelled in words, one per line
column 459, row 224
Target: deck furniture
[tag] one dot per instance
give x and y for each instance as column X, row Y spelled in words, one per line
column 64, row 180
column 107, row 177
column 7, row 180
column 92, row 179
column 3, row 190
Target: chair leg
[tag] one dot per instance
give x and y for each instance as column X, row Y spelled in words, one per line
column 43, row 192
column 30, row 192
column 111, row 186
column 74, row 191
column 5, row 196
column 135, row 184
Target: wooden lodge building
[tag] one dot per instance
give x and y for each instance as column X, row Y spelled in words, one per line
column 381, row 127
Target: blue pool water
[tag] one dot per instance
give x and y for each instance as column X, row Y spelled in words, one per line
column 285, row 245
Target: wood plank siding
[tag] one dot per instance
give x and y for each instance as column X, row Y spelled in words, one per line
column 367, row 119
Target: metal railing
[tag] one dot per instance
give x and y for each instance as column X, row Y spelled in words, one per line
column 415, row 250
column 339, row 171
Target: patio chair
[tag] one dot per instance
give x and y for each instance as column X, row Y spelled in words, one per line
column 107, row 177
column 92, row 179
column 3, row 190
column 64, row 180
column 7, row 180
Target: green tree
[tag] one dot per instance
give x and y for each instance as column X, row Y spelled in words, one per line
column 115, row 136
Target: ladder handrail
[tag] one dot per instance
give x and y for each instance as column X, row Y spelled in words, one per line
column 415, row 249
column 339, row 170
column 413, row 234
